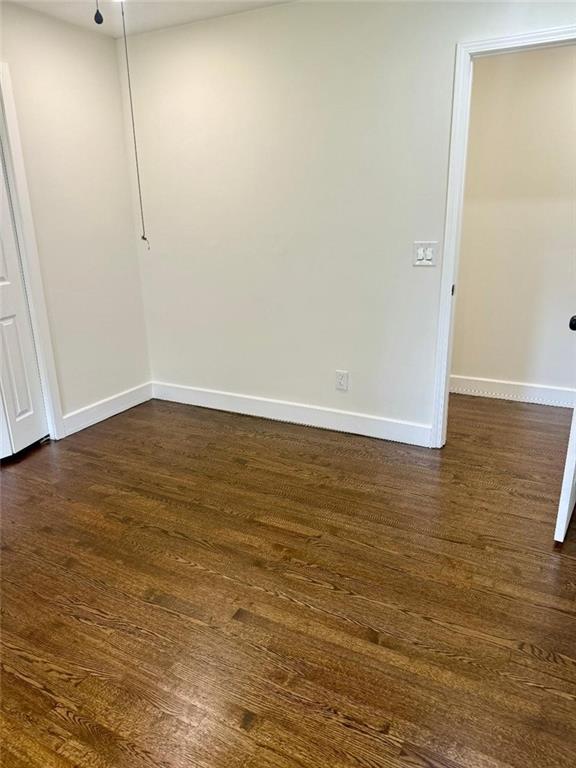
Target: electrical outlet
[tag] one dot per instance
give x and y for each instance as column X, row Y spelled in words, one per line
column 425, row 253
column 342, row 380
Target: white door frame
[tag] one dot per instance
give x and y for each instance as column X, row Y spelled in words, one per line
column 30, row 260
column 465, row 55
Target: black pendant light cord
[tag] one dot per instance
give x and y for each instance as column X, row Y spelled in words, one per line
column 134, row 130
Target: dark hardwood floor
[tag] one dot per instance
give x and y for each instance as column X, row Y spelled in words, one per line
column 183, row 587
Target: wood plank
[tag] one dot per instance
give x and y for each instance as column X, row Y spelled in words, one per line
column 184, row 587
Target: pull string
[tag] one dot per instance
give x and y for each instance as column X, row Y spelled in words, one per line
column 137, row 161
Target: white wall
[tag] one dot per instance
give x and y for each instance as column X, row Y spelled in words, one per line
column 290, row 158
column 517, row 276
column 68, row 99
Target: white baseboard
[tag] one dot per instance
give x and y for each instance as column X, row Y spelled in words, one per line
column 514, row 390
column 104, row 409
column 278, row 410
column 297, row 413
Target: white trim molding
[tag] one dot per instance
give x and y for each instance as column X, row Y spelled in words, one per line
column 104, row 409
column 379, row 427
column 297, row 413
column 563, row 397
column 465, row 55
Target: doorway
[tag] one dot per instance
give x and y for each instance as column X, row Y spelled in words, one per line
column 506, row 250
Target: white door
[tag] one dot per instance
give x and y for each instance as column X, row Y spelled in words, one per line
column 5, row 441
column 568, row 492
column 20, row 387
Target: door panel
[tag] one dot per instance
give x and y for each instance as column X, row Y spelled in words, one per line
column 15, row 374
column 3, row 267
column 19, row 374
column 5, row 441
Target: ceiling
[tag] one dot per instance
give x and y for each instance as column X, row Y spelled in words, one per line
column 142, row 15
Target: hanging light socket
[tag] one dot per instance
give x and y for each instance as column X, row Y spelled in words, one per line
column 98, row 18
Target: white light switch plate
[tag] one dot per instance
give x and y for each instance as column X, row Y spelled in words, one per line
column 425, row 253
